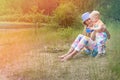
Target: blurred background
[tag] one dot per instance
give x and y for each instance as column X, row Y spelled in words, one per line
column 33, row 33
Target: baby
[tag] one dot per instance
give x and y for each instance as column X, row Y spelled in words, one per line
column 100, row 32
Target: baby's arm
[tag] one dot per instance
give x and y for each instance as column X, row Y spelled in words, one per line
column 99, row 28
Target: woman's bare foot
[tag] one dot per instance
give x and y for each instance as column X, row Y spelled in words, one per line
column 61, row 57
column 63, row 60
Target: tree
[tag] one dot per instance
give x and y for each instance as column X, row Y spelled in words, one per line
column 65, row 14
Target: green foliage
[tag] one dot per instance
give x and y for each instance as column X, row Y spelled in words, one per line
column 65, row 33
column 113, row 49
column 66, row 14
column 114, row 10
column 68, row 34
column 110, row 9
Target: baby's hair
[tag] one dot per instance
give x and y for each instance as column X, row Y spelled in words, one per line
column 95, row 14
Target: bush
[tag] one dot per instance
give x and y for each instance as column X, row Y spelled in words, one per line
column 66, row 14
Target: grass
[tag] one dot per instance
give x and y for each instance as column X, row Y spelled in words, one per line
column 34, row 56
column 114, row 50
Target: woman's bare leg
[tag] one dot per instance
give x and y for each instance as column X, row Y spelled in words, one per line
column 69, row 56
column 74, row 44
column 70, row 51
column 83, row 43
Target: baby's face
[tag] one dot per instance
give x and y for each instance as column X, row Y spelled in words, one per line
column 94, row 19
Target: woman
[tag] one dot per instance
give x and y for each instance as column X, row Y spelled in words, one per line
column 82, row 41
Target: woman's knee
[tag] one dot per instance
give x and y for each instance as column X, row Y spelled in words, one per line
column 80, row 35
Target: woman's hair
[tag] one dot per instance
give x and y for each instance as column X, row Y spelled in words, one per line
column 85, row 22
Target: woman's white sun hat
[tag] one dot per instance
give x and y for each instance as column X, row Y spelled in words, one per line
column 85, row 16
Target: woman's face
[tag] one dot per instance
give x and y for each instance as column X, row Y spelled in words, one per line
column 88, row 22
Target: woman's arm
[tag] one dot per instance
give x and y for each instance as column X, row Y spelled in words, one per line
column 93, row 35
column 84, row 31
